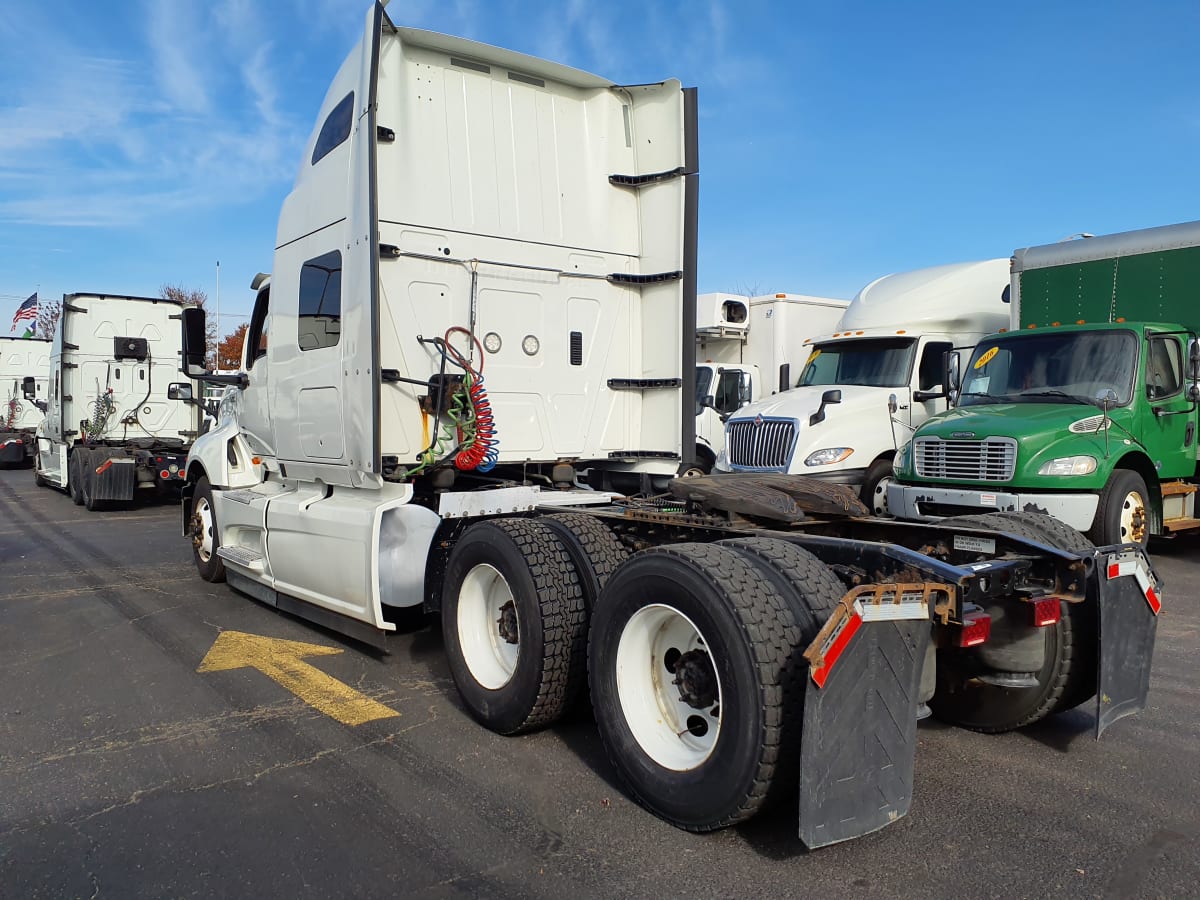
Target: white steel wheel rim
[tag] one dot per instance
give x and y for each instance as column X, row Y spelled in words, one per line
column 879, row 498
column 1133, row 518
column 667, row 728
column 482, row 600
column 204, row 514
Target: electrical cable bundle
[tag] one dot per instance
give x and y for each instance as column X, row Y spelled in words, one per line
column 470, row 426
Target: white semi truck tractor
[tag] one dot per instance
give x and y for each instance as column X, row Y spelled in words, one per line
column 483, row 285
column 117, row 422
column 866, row 386
column 19, row 415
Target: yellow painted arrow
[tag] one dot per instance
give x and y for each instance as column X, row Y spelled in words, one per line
column 283, row 662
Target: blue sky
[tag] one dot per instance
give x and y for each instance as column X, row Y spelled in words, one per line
column 141, row 141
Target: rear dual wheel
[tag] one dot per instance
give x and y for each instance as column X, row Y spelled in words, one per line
column 697, row 675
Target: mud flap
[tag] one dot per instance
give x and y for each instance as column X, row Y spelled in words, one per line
column 860, row 713
column 1129, row 597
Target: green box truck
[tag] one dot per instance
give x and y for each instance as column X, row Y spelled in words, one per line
column 1087, row 407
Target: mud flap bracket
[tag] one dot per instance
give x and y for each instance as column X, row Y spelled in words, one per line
column 860, row 712
column 1129, row 600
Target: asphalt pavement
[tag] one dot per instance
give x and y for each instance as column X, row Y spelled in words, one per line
column 125, row 771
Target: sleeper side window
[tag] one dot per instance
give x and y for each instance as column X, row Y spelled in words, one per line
column 336, row 128
column 320, row 317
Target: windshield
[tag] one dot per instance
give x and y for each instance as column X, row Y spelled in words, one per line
column 1073, row 366
column 878, row 362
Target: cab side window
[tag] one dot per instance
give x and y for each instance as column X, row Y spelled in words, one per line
column 320, row 316
column 1164, row 368
column 929, row 375
column 256, row 334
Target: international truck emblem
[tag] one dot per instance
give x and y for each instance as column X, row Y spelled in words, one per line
column 962, row 435
column 758, row 420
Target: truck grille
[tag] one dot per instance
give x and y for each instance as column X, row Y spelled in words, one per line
column 761, row 443
column 992, row 459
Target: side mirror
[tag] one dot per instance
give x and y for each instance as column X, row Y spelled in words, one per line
column 785, row 377
column 936, row 394
column 950, row 364
column 708, row 402
column 179, row 391
column 195, row 342
column 893, row 404
column 832, row 396
column 29, row 388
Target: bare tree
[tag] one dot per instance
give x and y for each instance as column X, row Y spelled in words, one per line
column 48, row 316
column 188, row 297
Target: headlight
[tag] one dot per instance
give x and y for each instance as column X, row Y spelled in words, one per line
column 722, row 463
column 828, row 456
column 1069, row 465
column 902, row 456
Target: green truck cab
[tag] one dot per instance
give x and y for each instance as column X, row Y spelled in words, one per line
column 1087, row 408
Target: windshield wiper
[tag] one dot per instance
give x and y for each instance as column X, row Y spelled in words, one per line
column 985, row 394
column 1074, row 398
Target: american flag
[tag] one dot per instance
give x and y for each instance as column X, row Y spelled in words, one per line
column 26, row 312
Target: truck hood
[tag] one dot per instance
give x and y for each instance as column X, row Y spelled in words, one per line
column 802, row 402
column 1041, row 430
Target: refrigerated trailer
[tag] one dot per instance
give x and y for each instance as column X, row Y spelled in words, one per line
column 19, row 415
column 483, row 284
column 117, row 420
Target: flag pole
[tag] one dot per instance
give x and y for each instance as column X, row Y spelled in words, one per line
column 217, row 353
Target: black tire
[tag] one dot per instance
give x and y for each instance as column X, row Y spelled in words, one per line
column 993, row 709
column 874, row 489
column 38, row 480
column 1083, row 633
column 211, row 569
column 1107, row 528
column 75, row 474
column 550, row 624
column 89, row 463
column 749, row 635
column 812, row 591
column 594, row 550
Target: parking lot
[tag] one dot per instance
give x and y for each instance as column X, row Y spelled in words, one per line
column 134, row 763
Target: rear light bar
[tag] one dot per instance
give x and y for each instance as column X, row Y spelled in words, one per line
column 976, row 629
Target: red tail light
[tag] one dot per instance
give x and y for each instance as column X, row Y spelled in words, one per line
column 164, row 474
column 1045, row 611
column 976, row 628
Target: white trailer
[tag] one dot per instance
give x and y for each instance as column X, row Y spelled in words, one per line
column 464, row 212
column 746, row 348
column 19, row 358
column 866, row 386
column 115, row 424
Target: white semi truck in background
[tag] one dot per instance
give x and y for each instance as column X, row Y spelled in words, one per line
column 19, row 416
column 746, row 349
column 866, row 387
column 483, row 285
column 116, row 421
